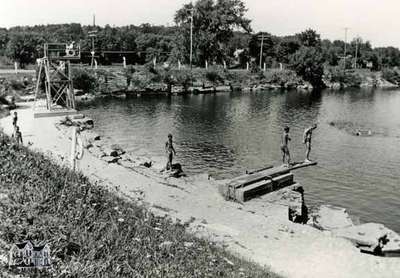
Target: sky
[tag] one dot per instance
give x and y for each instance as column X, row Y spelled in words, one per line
column 373, row 20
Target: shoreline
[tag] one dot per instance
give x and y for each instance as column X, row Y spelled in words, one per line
column 256, row 231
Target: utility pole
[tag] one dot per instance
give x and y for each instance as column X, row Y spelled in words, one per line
column 191, row 36
column 345, row 49
column 356, row 54
column 93, row 35
column 261, row 48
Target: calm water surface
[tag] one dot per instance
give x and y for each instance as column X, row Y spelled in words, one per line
column 225, row 134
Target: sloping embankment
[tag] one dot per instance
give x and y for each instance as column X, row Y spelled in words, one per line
column 94, row 232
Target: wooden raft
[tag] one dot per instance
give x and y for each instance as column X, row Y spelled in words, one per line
column 260, row 182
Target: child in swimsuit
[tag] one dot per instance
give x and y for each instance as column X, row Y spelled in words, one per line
column 307, row 140
column 170, row 151
column 18, row 136
column 15, row 119
column 284, row 145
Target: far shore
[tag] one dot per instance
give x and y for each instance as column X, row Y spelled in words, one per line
column 257, row 231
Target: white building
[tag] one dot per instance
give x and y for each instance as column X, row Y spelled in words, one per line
column 27, row 254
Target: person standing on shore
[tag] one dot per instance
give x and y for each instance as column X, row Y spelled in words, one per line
column 307, row 140
column 285, row 145
column 15, row 119
column 170, row 152
column 18, row 136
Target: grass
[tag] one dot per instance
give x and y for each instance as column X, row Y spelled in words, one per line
column 94, row 232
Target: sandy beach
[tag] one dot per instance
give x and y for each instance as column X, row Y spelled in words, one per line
column 258, row 230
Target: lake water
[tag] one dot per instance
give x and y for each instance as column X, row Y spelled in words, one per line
column 224, row 134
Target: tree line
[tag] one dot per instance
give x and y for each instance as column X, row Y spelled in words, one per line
column 221, row 34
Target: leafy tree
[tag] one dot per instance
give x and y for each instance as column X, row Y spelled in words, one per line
column 213, row 25
column 308, row 63
column 24, row 47
column 286, row 47
column 3, row 40
column 309, row 38
column 269, row 45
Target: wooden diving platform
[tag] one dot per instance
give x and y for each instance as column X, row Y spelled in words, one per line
column 259, row 182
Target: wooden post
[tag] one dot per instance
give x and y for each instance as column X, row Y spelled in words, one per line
column 71, row 94
column 38, row 80
column 73, row 148
column 206, row 64
column 124, row 62
column 179, row 64
column 265, row 66
column 247, row 66
column 224, row 64
column 261, row 49
column 191, row 37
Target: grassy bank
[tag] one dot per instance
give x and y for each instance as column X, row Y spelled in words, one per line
column 93, row 232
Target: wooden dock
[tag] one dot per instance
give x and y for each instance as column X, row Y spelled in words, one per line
column 259, row 182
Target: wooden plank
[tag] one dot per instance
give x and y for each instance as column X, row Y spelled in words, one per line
column 249, row 172
column 256, row 189
column 282, row 181
column 245, row 180
column 244, row 194
column 302, row 164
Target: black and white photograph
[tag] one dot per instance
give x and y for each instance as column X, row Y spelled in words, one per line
column 199, row 138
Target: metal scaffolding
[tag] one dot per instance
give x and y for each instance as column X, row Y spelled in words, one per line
column 56, row 66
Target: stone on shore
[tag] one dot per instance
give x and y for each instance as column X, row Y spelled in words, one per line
column 110, row 159
column 82, row 123
column 159, row 162
column 328, row 218
column 110, row 152
column 292, row 197
column 92, row 136
column 131, row 161
column 368, row 235
column 96, row 151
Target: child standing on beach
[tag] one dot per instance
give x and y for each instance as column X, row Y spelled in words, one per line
column 285, row 145
column 170, row 151
column 18, row 136
column 15, row 119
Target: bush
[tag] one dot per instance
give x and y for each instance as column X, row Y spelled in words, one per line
column 84, row 80
column 215, row 75
column 16, row 84
column 391, row 75
column 308, row 62
column 284, row 78
column 344, row 78
column 183, row 78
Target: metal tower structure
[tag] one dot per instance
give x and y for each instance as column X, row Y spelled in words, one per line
column 56, row 65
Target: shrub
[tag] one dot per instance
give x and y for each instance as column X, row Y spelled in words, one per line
column 345, row 78
column 183, row 78
column 391, row 75
column 284, row 78
column 308, row 62
column 215, row 75
column 84, row 80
